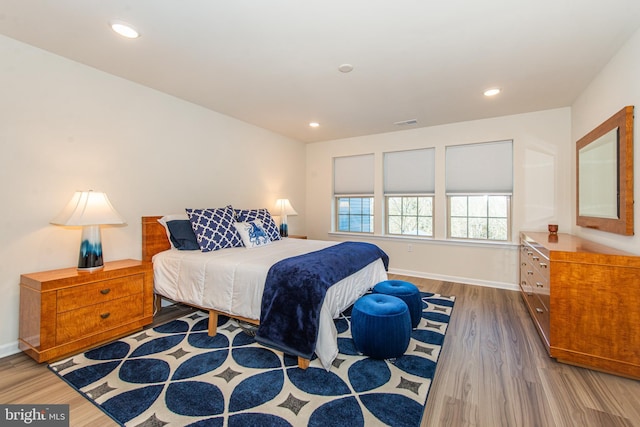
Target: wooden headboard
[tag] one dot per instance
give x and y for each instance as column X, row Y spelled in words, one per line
column 154, row 237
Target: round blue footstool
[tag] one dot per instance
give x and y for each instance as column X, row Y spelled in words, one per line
column 407, row 292
column 381, row 326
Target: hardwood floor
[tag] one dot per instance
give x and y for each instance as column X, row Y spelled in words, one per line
column 493, row 371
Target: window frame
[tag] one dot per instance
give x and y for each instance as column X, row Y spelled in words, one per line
column 388, row 216
column 508, row 217
column 336, row 200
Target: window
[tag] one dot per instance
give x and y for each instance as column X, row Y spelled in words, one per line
column 479, row 217
column 409, row 182
column 479, row 184
column 355, row 214
column 410, row 215
column 353, row 181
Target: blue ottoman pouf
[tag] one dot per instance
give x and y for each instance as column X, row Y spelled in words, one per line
column 407, row 292
column 381, row 326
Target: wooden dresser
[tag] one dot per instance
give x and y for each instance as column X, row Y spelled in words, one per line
column 63, row 312
column 584, row 299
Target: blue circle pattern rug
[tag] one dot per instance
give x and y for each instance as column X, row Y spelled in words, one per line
column 177, row 375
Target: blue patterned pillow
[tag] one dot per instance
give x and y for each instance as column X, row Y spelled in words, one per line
column 263, row 215
column 214, row 228
column 252, row 234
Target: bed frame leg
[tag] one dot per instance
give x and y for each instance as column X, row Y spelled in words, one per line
column 213, row 323
column 303, row 363
column 157, row 303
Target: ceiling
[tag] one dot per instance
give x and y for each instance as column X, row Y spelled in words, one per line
column 275, row 64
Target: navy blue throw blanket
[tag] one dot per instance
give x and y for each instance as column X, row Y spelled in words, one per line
column 295, row 289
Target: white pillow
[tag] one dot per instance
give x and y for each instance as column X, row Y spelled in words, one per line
column 163, row 221
column 252, row 233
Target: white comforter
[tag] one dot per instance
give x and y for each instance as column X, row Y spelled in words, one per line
column 232, row 281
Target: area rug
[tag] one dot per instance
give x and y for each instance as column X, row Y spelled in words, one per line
column 176, row 375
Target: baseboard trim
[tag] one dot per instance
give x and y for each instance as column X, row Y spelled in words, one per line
column 9, row 349
column 455, row 279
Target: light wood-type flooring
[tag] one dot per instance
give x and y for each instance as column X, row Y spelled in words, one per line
column 493, row 371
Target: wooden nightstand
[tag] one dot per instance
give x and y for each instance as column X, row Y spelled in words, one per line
column 63, row 312
column 296, row 236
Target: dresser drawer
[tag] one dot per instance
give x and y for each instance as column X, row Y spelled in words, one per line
column 536, row 259
column 541, row 265
column 99, row 292
column 540, row 287
column 534, row 283
column 540, row 313
column 525, row 287
column 534, row 268
column 75, row 324
column 524, row 268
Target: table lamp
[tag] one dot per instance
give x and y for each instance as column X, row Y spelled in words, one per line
column 284, row 208
column 89, row 209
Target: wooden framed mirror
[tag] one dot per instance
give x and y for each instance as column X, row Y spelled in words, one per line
column 604, row 166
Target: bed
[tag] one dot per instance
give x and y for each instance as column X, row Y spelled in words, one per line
column 231, row 281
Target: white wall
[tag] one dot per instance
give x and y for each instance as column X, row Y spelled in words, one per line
column 542, row 193
column 67, row 127
column 616, row 86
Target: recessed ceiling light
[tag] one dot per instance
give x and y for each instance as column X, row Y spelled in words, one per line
column 345, row 68
column 314, row 124
column 124, row 29
column 492, row 92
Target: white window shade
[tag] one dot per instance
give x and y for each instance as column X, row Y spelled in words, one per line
column 409, row 172
column 480, row 168
column 353, row 174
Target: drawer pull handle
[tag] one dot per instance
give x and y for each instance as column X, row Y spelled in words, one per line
column 543, row 264
column 539, row 285
column 539, row 310
column 530, row 272
column 105, row 315
column 536, row 258
column 105, row 291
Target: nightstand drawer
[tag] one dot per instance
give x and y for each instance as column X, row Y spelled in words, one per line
column 83, row 321
column 99, row 292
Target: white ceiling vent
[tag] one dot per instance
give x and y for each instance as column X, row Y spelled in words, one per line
column 406, row 122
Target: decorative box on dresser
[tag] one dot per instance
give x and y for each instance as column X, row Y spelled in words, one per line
column 584, row 299
column 63, row 312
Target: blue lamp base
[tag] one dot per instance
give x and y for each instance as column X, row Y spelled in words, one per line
column 284, row 230
column 90, row 258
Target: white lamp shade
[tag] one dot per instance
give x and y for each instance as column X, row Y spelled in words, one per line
column 283, row 207
column 88, row 208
